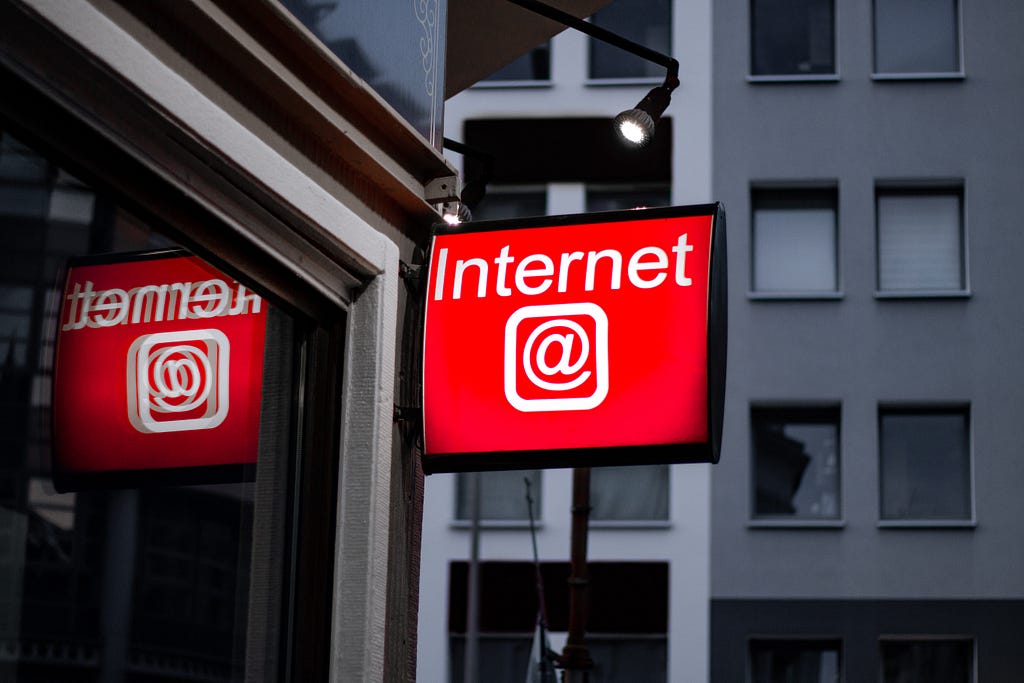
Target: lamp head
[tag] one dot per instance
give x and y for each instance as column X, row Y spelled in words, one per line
column 636, row 126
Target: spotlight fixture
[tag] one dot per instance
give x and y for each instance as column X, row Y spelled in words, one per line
column 456, row 213
column 634, row 126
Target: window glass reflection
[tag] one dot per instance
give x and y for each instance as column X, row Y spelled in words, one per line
column 917, row 36
column 121, row 583
column 785, row 661
column 796, row 463
column 925, row 464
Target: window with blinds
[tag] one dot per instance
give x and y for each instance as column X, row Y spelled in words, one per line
column 920, row 241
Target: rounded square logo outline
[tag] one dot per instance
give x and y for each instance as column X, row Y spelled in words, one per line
column 600, row 346
column 139, row 413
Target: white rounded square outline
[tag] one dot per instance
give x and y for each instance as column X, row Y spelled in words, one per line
column 138, row 394
column 600, row 345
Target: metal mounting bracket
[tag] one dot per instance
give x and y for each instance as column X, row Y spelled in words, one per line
column 442, row 190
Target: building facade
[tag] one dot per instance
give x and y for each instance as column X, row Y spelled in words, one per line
column 865, row 513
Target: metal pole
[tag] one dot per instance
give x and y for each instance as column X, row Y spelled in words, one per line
column 576, row 659
column 547, row 674
column 470, row 666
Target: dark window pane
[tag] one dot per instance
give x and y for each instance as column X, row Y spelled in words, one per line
column 618, row 198
column 916, row 36
column 625, row 632
column 792, row 37
column 784, row 661
column 500, row 203
column 647, row 22
column 19, row 163
column 535, row 65
column 628, row 660
column 925, row 465
column 796, row 463
column 935, row 661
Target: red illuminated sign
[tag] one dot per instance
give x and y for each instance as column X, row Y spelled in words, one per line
column 158, row 373
column 595, row 339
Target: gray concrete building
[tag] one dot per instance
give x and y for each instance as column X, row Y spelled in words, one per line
column 866, row 512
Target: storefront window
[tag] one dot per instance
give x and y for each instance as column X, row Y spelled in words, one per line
column 126, row 578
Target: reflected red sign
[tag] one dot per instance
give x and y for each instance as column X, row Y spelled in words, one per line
column 158, row 373
column 593, row 339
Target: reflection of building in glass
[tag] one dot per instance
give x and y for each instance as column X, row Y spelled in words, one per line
column 97, row 583
column 781, row 465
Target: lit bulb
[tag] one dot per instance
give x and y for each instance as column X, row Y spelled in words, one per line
column 631, row 131
column 456, row 213
column 635, row 126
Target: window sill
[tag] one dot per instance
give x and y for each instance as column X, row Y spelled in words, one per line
column 630, row 524
column 963, row 524
column 796, row 524
column 937, row 76
column 924, row 294
column 613, row 82
column 794, row 78
column 510, row 85
column 795, row 296
column 496, row 524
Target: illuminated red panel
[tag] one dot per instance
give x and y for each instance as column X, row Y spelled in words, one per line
column 591, row 335
column 159, row 367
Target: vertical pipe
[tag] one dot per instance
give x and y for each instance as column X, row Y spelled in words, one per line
column 469, row 674
column 576, row 659
column 118, row 584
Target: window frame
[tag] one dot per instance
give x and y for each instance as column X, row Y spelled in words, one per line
column 755, row 79
column 917, row 188
column 959, row 74
column 817, row 412
column 929, row 408
column 780, row 189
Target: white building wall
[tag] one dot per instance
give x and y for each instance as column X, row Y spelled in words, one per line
column 684, row 542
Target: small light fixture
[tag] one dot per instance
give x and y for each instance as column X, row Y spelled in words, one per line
column 636, row 126
column 456, row 213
